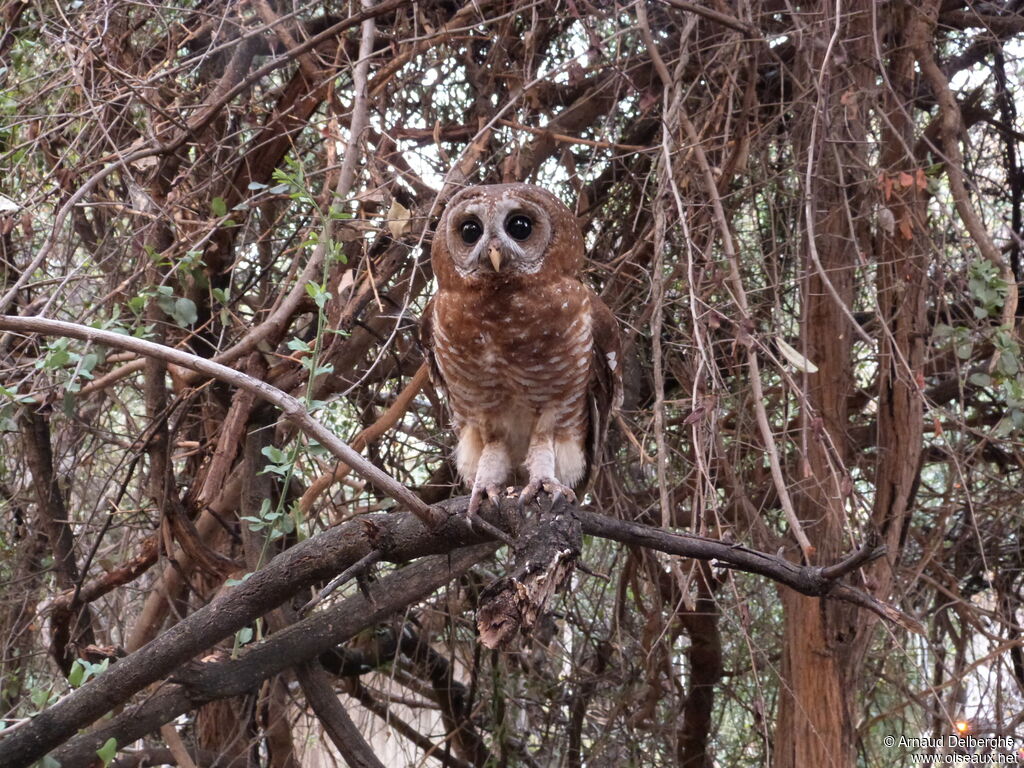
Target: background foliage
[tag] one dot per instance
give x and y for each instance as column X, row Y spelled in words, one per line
column 806, row 217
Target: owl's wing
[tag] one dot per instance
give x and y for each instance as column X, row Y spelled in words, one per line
column 427, row 342
column 605, row 390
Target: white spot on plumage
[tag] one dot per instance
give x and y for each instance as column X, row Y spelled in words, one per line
column 576, row 397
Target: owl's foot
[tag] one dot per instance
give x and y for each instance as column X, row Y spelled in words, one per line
column 559, row 493
column 472, row 511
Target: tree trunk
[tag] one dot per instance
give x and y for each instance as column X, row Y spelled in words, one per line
column 815, row 720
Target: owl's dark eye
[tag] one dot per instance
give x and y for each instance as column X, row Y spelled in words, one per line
column 470, row 230
column 519, row 226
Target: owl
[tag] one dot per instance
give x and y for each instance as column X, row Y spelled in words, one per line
column 528, row 356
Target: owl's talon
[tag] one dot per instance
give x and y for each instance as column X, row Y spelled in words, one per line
column 474, row 503
column 494, row 496
column 556, row 498
column 476, row 522
column 528, row 494
column 559, row 493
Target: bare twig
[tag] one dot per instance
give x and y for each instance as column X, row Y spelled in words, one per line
column 951, row 124
column 387, row 420
column 355, row 570
column 740, row 294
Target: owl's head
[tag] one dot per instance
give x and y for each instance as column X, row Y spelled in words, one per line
column 500, row 231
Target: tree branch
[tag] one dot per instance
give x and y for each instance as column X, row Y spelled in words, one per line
column 292, row 408
column 298, row 644
column 402, row 537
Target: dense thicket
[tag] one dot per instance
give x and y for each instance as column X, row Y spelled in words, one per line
column 807, row 218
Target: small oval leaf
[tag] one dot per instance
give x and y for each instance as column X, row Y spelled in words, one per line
column 795, row 359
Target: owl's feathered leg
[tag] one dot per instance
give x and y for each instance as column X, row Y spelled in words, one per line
column 540, row 463
column 492, row 470
column 486, row 465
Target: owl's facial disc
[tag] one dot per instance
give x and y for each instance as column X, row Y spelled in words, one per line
column 492, row 234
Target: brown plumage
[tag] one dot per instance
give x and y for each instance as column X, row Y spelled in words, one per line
column 528, row 355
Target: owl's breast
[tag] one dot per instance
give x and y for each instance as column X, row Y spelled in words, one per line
column 516, row 350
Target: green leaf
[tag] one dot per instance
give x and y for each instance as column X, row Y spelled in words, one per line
column 88, row 363
column 313, row 447
column 12, row 395
column 1009, row 364
column 57, row 357
column 275, row 454
column 980, row 379
column 218, row 206
column 338, row 254
column 297, row 519
column 41, row 697
column 77, row 674
column 107, row 751
column 277, row 469
column 307, row 363
column 318, row 294
column 181, row 310
column 244, row 635
column 963, row 348
column 185, row 311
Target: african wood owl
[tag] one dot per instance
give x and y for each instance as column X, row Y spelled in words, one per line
column 529, row 356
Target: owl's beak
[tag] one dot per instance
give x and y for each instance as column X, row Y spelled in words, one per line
column 495, row 256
